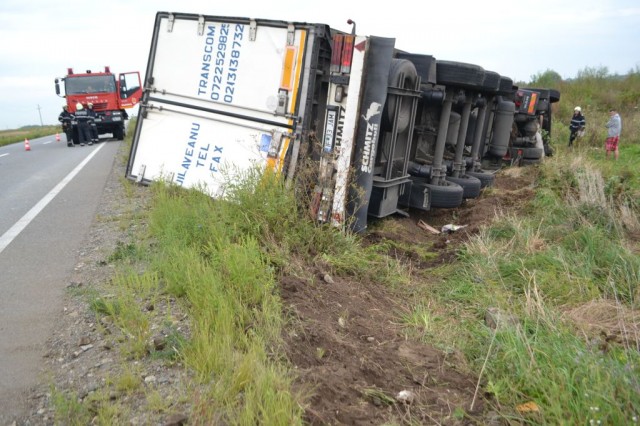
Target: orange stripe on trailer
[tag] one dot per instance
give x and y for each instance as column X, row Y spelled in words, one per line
column 278, row 163
column 296, row 79
column 287, row 67
column 532, row 104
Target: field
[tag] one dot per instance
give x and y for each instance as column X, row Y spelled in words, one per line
column 29, row 132
column 187, row 310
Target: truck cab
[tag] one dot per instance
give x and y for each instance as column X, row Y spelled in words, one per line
column 532, row 125
column 109, row 96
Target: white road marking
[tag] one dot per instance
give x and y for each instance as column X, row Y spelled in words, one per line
column 2, row 155
column 22, row 223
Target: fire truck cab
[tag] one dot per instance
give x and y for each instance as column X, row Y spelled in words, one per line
column 109, row 96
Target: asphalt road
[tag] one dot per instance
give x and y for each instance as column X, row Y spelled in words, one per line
column 48, row 198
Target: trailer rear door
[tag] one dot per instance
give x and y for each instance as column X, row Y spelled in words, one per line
column 221, row 95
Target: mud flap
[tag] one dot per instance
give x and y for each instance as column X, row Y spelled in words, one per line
column 377, row 67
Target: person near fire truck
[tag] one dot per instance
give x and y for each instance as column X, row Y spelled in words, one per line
column 94, row 128
column 84, row 125
column 65, row 119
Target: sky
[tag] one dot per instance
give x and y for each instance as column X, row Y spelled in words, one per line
column 40, row 39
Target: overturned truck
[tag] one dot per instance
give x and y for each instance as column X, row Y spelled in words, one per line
column 385, row 130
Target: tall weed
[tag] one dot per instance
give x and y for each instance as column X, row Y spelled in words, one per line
column 568, row 250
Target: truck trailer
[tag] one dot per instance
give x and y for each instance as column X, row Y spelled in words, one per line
column 223, row 95
column 226, row 93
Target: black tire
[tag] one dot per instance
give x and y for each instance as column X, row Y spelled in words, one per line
column 486, row 179
column 505, row 88
column 401, row 68
column 118, row 133
column 498, row 151
column 459, row 74
column 532, row 153
column 491, row 83
column 445, row 196
column 470, row 185
column 529, row 161
column 554, row 96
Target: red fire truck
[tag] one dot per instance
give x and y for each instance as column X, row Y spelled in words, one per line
column 110, row 97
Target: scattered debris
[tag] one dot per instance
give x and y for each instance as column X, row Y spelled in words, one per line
column 423, row 225
column 405, row 397
column 447, row 229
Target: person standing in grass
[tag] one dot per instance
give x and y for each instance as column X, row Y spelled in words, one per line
column 578, row 123
column 614, row 127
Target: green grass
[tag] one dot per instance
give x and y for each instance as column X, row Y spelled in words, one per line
column 573, row 251
column 570, row 253
column 534, row 268
column 8, row 137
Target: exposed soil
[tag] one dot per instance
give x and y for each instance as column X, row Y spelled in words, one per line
column 349, row 347
column 345, row 341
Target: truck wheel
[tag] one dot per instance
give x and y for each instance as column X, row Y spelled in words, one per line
column 403, row 75
column 529, row 161
column 554, row 96
column 491, row 82
column 505, row 88
column 459, row 74
column 118, row 133
column 531, row 153
column 486, row 179
column 470, row 185
column 445, row 196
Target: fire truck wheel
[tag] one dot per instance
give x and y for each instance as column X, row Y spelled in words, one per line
column 459, row 74
column 118, row 133
column 470, row 185
column 403, row 75
column 486, row 179
column 448, row 195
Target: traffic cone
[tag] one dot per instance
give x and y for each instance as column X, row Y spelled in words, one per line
column 57, row 137
column 27, row 147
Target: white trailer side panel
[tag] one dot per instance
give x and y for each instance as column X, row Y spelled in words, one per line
column 212, row 95
column 195, row 151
